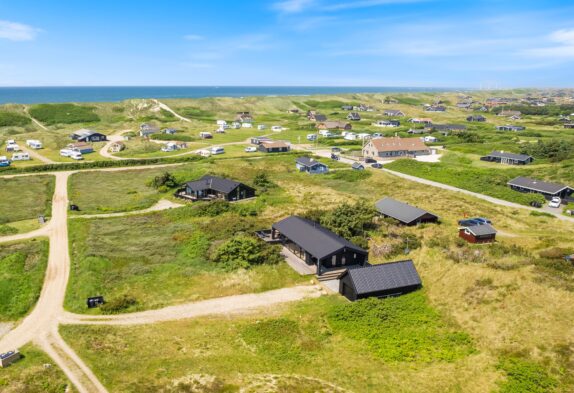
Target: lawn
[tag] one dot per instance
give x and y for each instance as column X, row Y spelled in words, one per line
column 312, row 346
column 22, row 268
column 161, row 259
column 34, row 373
column 25, row 197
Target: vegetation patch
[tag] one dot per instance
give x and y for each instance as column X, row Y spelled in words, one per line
column 25, row 197
column 11, row 119
column 401, row 329
column 51, row 114
column 525, row 376
column 34, row 373
column 349, row 175
column 22, row 268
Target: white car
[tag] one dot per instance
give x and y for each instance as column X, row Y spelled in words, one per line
column 276, row 128
column 555, row 202
column 66, row 152
column 76, row 155
column 250, row 149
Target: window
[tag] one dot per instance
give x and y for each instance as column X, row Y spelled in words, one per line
column 343, row 260
column 334, row 260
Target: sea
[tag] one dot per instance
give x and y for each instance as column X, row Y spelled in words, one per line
column 37, row 95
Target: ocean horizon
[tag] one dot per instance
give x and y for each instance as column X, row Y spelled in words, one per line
column 40, row 95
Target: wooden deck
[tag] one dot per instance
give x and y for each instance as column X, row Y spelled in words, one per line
column 297, row 263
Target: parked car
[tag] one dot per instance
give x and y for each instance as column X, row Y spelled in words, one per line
column 369, row 160
column 4, row 161
column 482, row 220
column 377, row 165
column 535, row 204
column 335, row 157
column 276, row 128
column 469, row 222
column 555, row 202
column 312, row 137
column 250, row 149
column 336, row 149
column 377, row 135
column 76, row 155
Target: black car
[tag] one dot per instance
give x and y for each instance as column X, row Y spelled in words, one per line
column 376, row 165
column 369, row 160
column 470, row 222
column 335, row 157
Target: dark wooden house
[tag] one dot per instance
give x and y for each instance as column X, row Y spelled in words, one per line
column 84, row 135
column 508, row 158
column 273, row 147
column 404, row 213
column 387, row 279
column 317, row 245
column 484, row 233
column 213, row 187
column 549, row 190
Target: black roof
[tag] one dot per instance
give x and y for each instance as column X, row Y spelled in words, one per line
column 512, row 156
column 209, row 182
column 313, row 238
column 400, row 211
column 537, row 185
column 481, row 230
column 357, row 165
column 320, row 117
column 386, row 276
column 308, row 162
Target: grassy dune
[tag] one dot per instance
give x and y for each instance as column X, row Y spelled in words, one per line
column 25, row 197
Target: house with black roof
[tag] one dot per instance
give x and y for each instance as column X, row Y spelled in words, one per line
column 85, row 135
column 510, row 127
column 476, row 118
column 549, row 190
column 357, row 166
column 310, row 165
column 387, row 279
column 508, row 158
column 483, row 233
column 212, row 187
column 404, row 213
column 393, row 112
column 316, row 245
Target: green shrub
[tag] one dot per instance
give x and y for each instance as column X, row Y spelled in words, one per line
column 51, row 114
column 524, row 376
column 163, row 182
column 6, row 230
column 242, row 252
column 118, row 304
column 11, row 119
column 173, row 137
column 400, row 329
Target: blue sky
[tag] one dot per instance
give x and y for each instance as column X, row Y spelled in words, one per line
column 288, row 42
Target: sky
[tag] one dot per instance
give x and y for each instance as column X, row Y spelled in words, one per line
column 418, row 43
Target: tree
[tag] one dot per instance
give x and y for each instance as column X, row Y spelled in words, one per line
column 348, row 220
column 243, row 251
column 163, row 182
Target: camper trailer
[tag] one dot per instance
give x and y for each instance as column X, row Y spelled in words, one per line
column 217, row 150
column 20, row 157
column 34, row 144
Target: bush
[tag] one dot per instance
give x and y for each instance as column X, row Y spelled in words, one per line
column 262, row 181
column 163, row 182
column 6, row 230
column 242, row 252
column 51, row 114
column 400, row 329
column 212, row 208
column 524, row 376
column 554, row 150
column 11, row 119
column 118, row 304
column 174, row 137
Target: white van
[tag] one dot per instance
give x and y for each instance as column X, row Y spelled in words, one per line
column 20, row 157
column 76, row 155
column 204, row 153
column 66, row 152
column 312, row 137
column 217, row 150
column 34, row 143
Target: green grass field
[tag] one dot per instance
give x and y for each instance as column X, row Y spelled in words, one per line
column 25, row 197
column 34, row 373
column 22, row 269
column 312, row 346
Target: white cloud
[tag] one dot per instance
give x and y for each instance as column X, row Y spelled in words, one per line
column 193, row 37
column 565, row 48
column 366, row 3
column 17, row 31
column 292, row 6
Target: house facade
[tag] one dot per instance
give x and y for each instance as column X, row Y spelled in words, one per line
column 85, row 135
column 549, row 190
column 212, row 187
column 395, row 147
column 478, row 234
column 334, row 125
column 316, row 245
column 310, row 165
column 273, row 147
column 508, row 158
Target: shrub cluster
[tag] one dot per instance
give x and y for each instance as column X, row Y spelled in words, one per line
column 51, row 114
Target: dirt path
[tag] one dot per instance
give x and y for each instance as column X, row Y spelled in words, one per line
column 229, row 305
column 162, row 204
column 167, row 108
column 34, row 120
column 34, row 154
column 116, row 137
